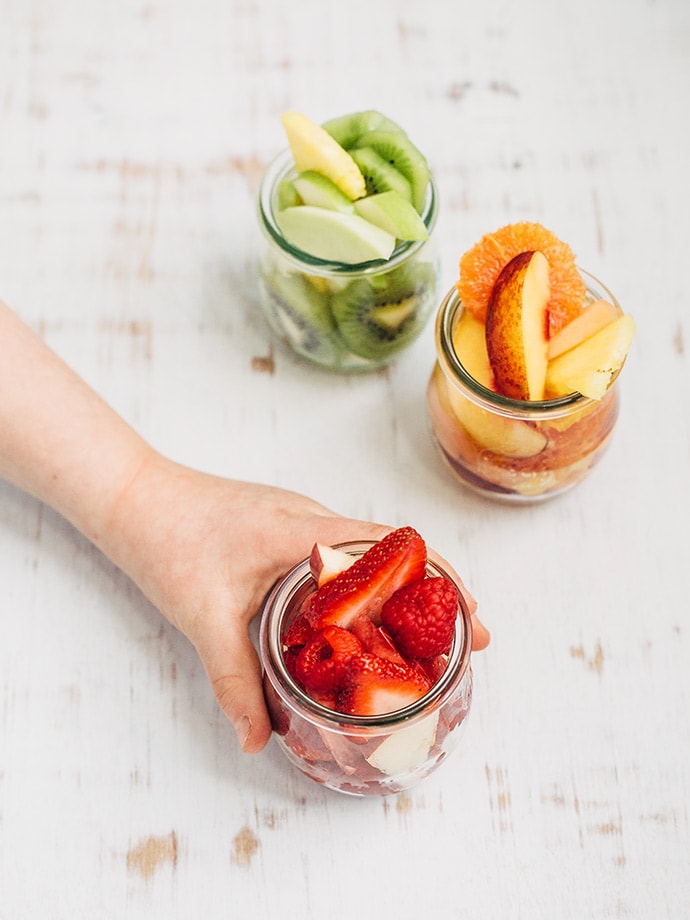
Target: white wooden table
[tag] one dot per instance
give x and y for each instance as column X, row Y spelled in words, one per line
column 132, row 139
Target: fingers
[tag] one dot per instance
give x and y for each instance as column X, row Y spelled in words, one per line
column 234, row 672
column 480, row 634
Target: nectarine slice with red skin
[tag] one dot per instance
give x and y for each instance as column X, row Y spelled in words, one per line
column 517, row 326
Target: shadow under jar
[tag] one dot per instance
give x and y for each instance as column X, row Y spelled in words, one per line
column 337, row 315
column 509, row 449
column 361, row 755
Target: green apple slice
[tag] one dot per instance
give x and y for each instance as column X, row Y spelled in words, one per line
column 334, row 236
column 392, row 212
column 318, row 190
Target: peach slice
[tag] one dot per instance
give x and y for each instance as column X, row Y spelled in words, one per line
column 517, row 326
column 591, row 320
column 497, row 433
column 469, row 342
column 589, row 367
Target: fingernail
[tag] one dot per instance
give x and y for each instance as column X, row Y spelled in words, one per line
column 243, row 728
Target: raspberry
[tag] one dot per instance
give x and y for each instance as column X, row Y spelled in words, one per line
column 421, row 617
column 323, row 663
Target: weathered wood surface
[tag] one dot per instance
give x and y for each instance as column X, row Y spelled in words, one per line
column 132, row 138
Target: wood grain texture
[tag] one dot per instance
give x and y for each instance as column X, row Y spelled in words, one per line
column 132, row 139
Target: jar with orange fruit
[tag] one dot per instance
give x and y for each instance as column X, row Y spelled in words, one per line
column 523, row 398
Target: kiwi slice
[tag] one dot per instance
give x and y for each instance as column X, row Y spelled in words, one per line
column 348, row 129
column 301, row 314
column 377, row 320
column 400, row 153
column 380, row 176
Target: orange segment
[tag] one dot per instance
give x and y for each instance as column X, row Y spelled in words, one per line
column 481, row 265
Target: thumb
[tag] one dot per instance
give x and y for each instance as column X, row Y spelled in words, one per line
column 234, row 671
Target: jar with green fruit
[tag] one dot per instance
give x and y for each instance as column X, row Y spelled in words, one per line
column 339, row 282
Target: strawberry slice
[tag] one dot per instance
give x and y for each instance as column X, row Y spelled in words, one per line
column 376, row 686
column 395, row 561
column 421, row 617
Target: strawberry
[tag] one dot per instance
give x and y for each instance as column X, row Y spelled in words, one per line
column 298, row 633
column 396, row 560
column 421, row 617
column 323, row 663
column 375, row 686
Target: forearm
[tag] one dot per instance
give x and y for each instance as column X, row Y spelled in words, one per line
column 58, row 440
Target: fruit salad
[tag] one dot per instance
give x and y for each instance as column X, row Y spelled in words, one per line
column 348, row 277
column 366, row 652
column 523, row 397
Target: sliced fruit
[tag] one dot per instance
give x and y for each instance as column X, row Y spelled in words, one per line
column 481, row 265
column 313, row 188
column 407, row 747
column 591, row 320
column 302, row 314
column 396, row 560
column 392, row 212
column 377, row 318
column 516, row 326
column 325, row 562
column 375, row 639
column 286, row 195
column 348, row 129
column 298, row 633
column 589, row 367
column 469, row 342
column 380, row 176
column 334, row 236
column 314, row 148
column 421, row 617
column 508, row 437
column 398, row 150
column 376, row 686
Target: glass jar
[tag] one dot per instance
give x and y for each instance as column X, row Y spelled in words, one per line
column 510, row 449
column 341, row 316
column 361, row 755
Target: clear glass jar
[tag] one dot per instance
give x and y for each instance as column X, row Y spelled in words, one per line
column 361, row 755
column 509, row 449
column 340, row 316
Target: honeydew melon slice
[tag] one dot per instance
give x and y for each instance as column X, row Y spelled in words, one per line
column 392, row 212
column 314, row 148
column 334, row 236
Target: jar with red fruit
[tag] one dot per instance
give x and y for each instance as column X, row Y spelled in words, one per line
column 514, row 450
column 341, row 315
column 364, row 755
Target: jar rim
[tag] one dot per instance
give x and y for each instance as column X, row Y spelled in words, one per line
column 276, row 605
column 277, row 170
column 447, row 312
